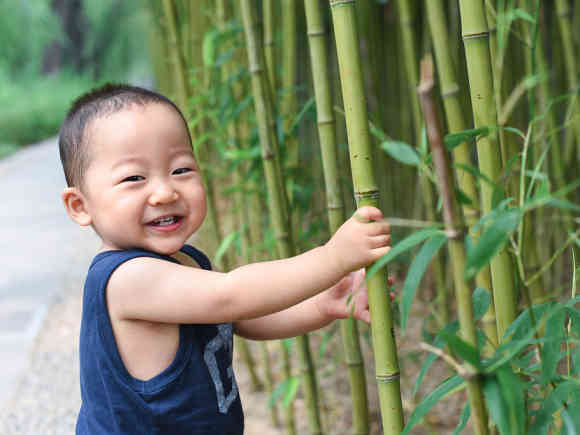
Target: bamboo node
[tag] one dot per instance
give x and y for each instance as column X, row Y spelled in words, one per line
column 476, row 35
column 372, row 194
column 354, row 364
column 451, row 91
column 340, row 2
column 387, row 379
column 256, row 70
column 455, row 234
column 317, row 33
column 325, row 121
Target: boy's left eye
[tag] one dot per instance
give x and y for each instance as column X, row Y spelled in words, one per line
column 181, row 171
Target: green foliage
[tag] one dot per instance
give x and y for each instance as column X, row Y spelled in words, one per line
column 34, row 108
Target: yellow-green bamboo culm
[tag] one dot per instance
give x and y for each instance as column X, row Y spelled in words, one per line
column 366, row 193
column 450, row 91
column 268, row 18
column 223, row 14
column 278, row 205
column 563, row 15
column 317, row 39
column 410, row 56
column 455, row 232
column 476, row 43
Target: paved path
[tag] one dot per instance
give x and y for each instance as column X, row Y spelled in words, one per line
column 41, row 250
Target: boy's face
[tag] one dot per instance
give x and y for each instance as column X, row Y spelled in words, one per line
column 142, row 187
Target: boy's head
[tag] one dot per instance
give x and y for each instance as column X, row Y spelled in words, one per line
column 127, row 157
column 98, row 103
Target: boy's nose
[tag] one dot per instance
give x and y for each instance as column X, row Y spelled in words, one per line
column 163, row 193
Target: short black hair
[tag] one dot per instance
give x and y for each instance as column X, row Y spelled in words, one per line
column 97, row 103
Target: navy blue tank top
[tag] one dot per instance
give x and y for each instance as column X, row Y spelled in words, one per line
column 196, row 394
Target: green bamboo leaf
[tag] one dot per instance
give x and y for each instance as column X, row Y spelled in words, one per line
column 209, row 47
column 481, row 301
column 513, row 392
column 491, row 242
column 462, row 348
column 463, row 419
column 453, row 140
column 447, row 387
column 293, row 384
column 224, row 246
column 555, row 327
column 504, row 394
column 415, row 273
column 403, row 246
column 451, row 328
column 309, row 106
column 243, row 154
column 571, row 422
column 402, row 152
column 495, row 404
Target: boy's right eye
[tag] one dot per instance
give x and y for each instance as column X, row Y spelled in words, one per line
column 132, row 178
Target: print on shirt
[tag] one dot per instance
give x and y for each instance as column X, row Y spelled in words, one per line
column 224, row 339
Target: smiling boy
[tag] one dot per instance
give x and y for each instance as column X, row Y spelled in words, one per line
column 156, row 333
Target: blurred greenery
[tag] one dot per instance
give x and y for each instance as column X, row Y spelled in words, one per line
column 34, row 104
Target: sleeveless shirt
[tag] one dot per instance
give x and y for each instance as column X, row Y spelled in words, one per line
column 196, row 395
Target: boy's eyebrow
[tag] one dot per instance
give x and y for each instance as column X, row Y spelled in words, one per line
column 126, row 160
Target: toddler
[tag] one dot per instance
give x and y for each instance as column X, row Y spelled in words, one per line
column 156, row 333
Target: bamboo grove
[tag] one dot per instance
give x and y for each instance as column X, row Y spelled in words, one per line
column 460, row 120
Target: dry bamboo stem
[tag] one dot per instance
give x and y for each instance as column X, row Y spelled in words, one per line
column 456, row 121
column 456, row 234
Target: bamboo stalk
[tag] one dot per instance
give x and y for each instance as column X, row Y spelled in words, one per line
column 410, row 56
column 456, row 234
column 476, row 43
column 278, row 205
column 450, row 91
column 317, row 37
column 563, row 14
column 288, row 101
column 269, row 20
column 366, row 193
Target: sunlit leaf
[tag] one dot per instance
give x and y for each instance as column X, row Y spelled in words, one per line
column 402, row 152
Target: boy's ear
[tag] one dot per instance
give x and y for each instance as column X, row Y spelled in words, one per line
column 76, row 206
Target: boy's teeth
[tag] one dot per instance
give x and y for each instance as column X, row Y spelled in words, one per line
column 164, row 221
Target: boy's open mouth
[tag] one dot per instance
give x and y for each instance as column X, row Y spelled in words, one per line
column 165, row 221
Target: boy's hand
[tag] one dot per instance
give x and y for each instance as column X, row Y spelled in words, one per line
column 349, row 295
column 361, row 240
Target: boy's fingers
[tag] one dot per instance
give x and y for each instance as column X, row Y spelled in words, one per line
column 368, row 214
column 380, row 241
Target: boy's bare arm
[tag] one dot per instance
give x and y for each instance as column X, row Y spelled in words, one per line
column 348, row 297
column 160, row 291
